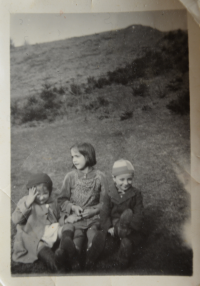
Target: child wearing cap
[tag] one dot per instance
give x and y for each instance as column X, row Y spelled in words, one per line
column 36, row 219
column 122, row 211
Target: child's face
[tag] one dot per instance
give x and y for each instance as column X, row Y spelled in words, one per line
column 78, row 159
column 123, row 182
column 43, row 194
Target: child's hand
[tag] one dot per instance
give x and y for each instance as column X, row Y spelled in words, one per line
column 72, row 219
column 31, row 197
column 77, row 210
column 89, row 213
column 111, row 231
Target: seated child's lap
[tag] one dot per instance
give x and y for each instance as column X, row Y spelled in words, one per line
column 85, row 224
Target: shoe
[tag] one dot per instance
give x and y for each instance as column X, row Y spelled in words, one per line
column 95, row 250
column 48, row 257
column 125, row 253
column 124, row 228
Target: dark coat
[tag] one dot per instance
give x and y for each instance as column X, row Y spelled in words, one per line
column 114, row 205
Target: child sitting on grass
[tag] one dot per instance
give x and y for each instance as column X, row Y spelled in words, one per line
column 82, row 192
column 36, row 217
column 122, row 211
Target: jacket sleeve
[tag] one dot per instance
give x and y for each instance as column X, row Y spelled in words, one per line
column 64, row 203
column 104, row 190
column 105, row 212
column 137, row 208
column 21, row 213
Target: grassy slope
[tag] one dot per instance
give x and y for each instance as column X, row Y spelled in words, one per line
column 153, row 147
column 77, row 58
column 156, row 141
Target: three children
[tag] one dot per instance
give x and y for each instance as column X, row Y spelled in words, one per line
column 83, row 199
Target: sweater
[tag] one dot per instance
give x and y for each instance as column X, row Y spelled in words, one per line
column 84, row 190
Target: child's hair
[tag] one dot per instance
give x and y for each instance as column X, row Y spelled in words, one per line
column 88, row 151
column 40, row 178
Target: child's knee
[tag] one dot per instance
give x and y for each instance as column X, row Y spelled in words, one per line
column 79, row 237
column 94, row 227
column 127, row 214
column 79, row 233
column 69, row 227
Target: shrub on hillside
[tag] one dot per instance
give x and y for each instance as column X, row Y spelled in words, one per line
column 138, row 67
column 60, row 90
column 51, row 100
column 146, row 107
column 33, row 112
column 175, row 84
column 175, row 47
column 102, row 101
column 140, row 90
column 181, row 105
column 101, row 82
column 46, row 106
column 126, row 114
column 75, row 89
column 15, row 110
column 91, row 105
column 119, row 76
column 91, row 84
column 91, row 81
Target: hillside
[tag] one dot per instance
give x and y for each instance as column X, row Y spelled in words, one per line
column 76, row 58
column 47, row 83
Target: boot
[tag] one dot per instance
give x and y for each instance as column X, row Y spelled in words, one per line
column 67, row 253
column 48, row 257
column 95, row 250
column 124, row 228
column 125, row 253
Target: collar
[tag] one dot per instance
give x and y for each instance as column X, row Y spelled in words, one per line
column 88, row 175
column 120, row 198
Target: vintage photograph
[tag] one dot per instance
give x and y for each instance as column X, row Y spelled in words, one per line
column 100, row 144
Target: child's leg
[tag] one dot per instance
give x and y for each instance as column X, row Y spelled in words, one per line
column 66, row 234
column 47, row 256
column 122, row 227
column 95, row 246
column 90, row 234
column 125, row 252
column 79, row 237
column 67, row 251
column 68, row 229
column 130, row 239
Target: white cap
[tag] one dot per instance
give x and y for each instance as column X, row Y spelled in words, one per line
column 121, row 167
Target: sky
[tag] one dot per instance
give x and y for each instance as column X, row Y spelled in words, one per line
column 40, row 28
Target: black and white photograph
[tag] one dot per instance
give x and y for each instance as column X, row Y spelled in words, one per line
column 100, row 144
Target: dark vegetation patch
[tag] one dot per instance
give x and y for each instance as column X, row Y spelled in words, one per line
column 180, row 105
column 140, row 90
